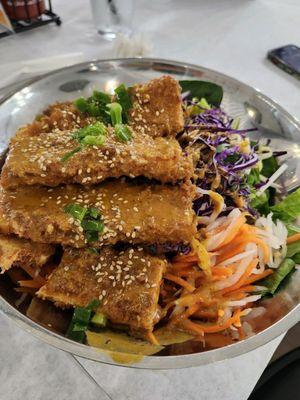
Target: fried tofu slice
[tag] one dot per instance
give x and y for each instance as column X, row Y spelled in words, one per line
column 38, row 160
column 156, row 111
column 16, row 251
column 130, row 212
column 157, row 107
column 127, row 284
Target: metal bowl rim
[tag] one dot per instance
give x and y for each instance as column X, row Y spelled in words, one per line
column 155, row 362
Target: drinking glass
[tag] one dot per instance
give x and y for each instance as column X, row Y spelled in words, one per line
column 112, row 17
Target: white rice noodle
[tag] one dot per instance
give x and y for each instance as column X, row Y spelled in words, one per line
column 227, row 314
column 216, row 223
column 274, row 235
column 243, row 302
column 240, row 256
column 213, row 242
column 272, row 179
column 247, row 328
column 241, row 268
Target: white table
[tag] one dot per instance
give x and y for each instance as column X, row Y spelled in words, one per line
column 231, row 36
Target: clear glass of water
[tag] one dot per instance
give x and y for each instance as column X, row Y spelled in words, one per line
column 112, row 17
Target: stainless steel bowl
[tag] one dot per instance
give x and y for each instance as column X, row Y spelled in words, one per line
column 24, row 102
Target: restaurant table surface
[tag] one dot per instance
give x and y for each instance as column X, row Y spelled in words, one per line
column 231, row 36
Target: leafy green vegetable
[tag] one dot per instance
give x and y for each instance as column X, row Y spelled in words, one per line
column 253, row 177
column 269, row 166
column 124, row 99
column 80, row 321
column 289, row 208
column 201, row 89
column 292, row 229
column 273, row 281
column 292, row 249
column 296, row 258
column 261, row 202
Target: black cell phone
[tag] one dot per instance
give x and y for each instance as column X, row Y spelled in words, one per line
column 287, row 58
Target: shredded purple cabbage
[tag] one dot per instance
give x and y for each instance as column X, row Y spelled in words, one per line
column 169, row 248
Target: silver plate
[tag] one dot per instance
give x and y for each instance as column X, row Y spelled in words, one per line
column 21, row 105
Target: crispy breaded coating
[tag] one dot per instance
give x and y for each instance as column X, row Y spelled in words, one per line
column 127, row 283
column 16, row 251
column 38, row 160
column 157, row 107
column 131, row 213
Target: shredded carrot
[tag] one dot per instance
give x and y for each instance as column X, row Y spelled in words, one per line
column 293, row 238
column 242, row 279
column 258, row 277
column 223, row 271
column 181, row 265
column 25, row 290
column 243, row 289
column 191, row 257
column 205, row 314
column 201, row 329
column 179, row 281
column 32, row 283
column 232, row 232
column 191, row 274
column 30, row 271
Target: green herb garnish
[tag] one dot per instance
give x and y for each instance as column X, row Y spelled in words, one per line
column 91, row 135
column 70, row 154
column 99, row 320
column 76, row 210
column 115, row 112
column 94, row 106
column 80, row 321
column 124, row 100
column 123, row 132
column 90, row 219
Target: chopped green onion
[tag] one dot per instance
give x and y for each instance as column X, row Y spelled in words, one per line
column 93, row 305
column 70, row 154
column 99, row 319
column 81, row 104
column 101, row 97
column 92, row 225
column 93, row 140
column 91, row 236
column 93, row 250
column 93, row 212
column 76, row 210
column 204, row 104
column 115, row 112
column 124, row 100
column 96, row 129
column 123, row 132
column 80, row 321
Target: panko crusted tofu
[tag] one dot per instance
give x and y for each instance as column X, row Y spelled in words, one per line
column 16, row 251
column 130, row 213
column 127, row 284
column 157, row 108
column 38, row 160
